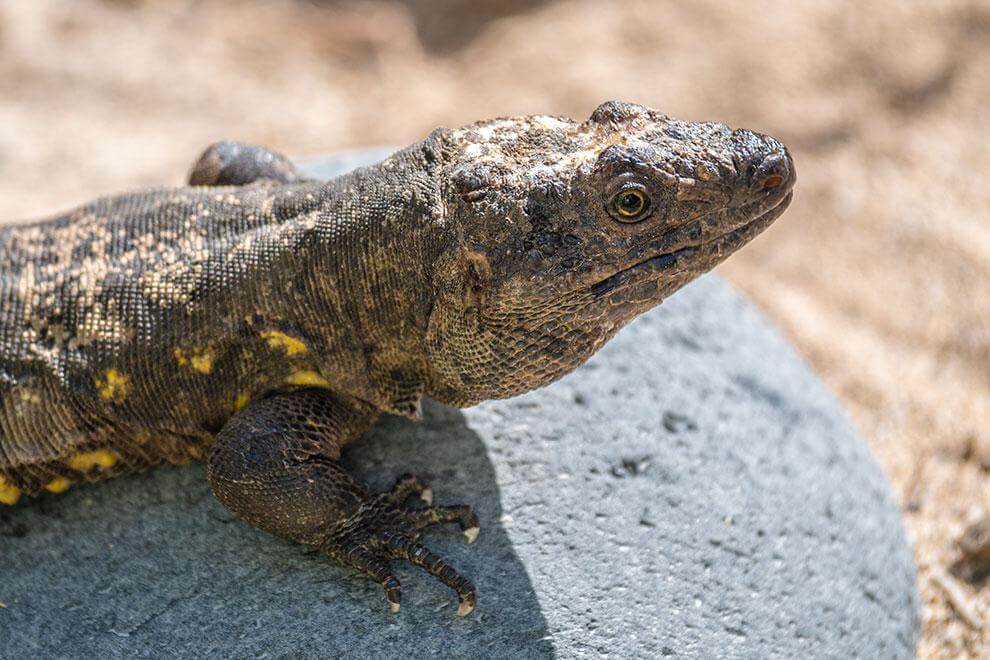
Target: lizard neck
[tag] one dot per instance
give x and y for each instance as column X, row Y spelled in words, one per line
column 363, row 286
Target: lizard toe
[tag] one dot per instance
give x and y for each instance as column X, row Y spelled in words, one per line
column 408, row 485
column 461, row 514
column 406, row 549
column 382, row 531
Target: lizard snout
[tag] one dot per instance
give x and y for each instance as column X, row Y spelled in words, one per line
column 764, row 166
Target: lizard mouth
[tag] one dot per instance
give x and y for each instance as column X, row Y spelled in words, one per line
column 720, row 247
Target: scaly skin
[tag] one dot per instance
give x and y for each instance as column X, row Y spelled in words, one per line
column 265, row 321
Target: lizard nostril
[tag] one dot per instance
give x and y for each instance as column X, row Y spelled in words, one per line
column 772, row 181
column 772, row 174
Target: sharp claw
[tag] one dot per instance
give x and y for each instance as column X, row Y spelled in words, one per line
column 427, row 496
column 465, row 608
column 471, row 534
column 393, row 594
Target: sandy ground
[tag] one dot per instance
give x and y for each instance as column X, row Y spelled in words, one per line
column 880, row 272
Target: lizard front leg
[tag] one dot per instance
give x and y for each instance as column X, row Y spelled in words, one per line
column 275, row 465
column 238, row 164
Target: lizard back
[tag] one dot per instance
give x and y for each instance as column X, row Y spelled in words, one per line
column 94, row 300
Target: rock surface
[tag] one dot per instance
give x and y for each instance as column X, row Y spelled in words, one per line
column 692, row 491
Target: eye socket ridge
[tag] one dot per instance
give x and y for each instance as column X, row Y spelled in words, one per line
column 630, row 203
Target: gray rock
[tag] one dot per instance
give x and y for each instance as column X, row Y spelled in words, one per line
column 692, row 491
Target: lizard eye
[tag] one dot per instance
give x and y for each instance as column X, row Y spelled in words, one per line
column 631, row 204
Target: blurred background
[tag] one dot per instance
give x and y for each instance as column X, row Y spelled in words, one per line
column 879, row 272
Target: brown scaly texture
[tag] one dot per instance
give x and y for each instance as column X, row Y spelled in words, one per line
column 480, row 263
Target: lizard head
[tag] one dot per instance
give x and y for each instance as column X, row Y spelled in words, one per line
column 563, row 232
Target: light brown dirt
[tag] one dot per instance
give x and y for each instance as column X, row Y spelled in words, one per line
column 880, row 272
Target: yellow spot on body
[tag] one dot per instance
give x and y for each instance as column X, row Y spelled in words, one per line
column 9, row 493
column 200, row 359
column 88, row 460
column 58, row 485
column 113, row 385
column 242, row 400
column 202, row 362
column 290, row 345
column 307, row 378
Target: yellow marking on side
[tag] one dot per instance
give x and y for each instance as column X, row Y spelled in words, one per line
column 306, row 378
column 87, row 460
column 58, row 485
column 200, row 359
column 242, row 400
column 9, row 493
column 113, row 385
column 290, row 345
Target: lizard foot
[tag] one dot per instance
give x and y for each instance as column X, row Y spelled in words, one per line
column 384, row 530
column 274, row 464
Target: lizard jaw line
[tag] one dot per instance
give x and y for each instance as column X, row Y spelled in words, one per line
column 627, row 276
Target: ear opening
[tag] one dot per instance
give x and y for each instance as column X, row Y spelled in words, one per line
column 477, row 276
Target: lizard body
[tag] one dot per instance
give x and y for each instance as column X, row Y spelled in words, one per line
column 137, row 324
column 264, row 321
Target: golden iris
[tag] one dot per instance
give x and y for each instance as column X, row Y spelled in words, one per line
column 629, row 204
